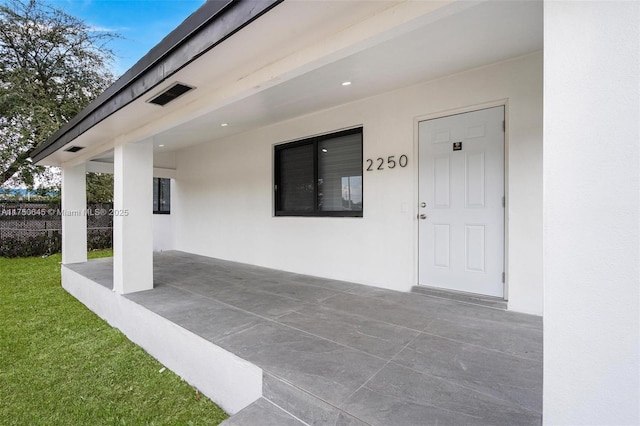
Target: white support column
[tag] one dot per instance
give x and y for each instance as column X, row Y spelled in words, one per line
column 74, row 216
column 133, row 218
column 591, row 213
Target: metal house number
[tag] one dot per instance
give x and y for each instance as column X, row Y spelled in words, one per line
column 391, row 162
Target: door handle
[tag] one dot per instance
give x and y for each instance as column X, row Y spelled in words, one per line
column 422, row 216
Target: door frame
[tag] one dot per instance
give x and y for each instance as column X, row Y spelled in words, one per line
column 416, row 195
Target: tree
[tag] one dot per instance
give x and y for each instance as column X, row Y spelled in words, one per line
column 51, row 66
column 99, row 188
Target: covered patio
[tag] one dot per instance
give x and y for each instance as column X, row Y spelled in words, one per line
column 257, row 78
column 325, row 352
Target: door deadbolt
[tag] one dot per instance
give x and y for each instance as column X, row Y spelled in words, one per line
column 423, row 204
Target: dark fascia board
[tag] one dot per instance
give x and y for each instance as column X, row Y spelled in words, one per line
column 207, row 27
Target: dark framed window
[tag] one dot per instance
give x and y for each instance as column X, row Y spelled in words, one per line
column 161, row 196
column 320, row 176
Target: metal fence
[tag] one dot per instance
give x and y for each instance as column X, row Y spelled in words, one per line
column 35, row 228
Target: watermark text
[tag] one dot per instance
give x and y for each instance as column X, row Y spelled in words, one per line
column 18, row 211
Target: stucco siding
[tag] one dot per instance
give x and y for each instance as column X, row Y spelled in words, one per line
column 222, row 205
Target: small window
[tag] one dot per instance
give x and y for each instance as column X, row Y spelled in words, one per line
column 320, row 176
column 161, row 196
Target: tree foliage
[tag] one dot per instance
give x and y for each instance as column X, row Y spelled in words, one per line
column 51, row 66
column 99, row 188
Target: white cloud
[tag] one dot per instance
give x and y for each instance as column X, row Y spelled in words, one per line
column 103, row 29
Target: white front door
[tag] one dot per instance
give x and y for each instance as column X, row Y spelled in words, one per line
column 461, row 186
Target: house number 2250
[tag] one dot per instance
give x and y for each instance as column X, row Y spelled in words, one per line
column 391, row 162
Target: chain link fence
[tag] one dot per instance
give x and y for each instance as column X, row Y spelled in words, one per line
column 35, row 228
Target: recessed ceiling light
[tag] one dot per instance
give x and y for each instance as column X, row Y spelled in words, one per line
column 346, row 83
column 324, row 150
column 224, row 124
column 161, row 145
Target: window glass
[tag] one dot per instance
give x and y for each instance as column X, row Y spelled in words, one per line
column 340, row 174
column 161, row 195
column 320, row 176
column 296, row 186
column 156, row 194
column 165, row 195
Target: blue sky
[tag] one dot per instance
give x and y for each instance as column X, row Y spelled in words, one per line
column 141, row 23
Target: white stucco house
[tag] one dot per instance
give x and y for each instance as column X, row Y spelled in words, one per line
column 489, row 147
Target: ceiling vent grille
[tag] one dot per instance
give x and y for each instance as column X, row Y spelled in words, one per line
column 74, row 148
column 170, row 94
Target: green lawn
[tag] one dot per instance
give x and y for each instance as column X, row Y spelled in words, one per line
column 62, row 365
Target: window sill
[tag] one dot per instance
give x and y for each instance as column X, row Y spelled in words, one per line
column 319, row 214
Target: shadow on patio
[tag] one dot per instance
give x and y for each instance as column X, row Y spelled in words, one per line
column 334, row 352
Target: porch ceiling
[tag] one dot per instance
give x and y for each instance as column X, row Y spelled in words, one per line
column 294, row 59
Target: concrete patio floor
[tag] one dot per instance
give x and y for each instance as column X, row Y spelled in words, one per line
column 338, row 353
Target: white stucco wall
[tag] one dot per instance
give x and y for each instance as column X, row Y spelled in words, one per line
column 222, row 205
column 162, row 232
column 592, row 213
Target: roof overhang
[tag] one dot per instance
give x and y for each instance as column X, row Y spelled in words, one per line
column 292, row 61
column 208, row 26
